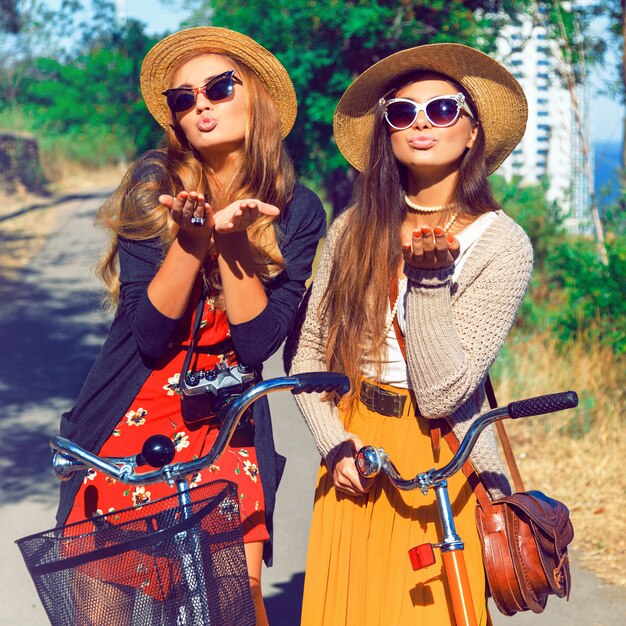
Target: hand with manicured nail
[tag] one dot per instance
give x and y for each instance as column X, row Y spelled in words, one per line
column 345, row 475
column 192, row 214
column 431, row 249
column 241, row 214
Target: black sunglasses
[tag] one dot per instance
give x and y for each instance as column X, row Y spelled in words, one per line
column 440, row 111
column 218, row 88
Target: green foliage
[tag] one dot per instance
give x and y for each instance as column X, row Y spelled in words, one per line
column 93, row 99
column 613, row 46
column 528, row 206
column 572, row 294
column 595, row 293
column 91, row 146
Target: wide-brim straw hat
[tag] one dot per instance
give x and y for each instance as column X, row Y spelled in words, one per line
column 500, row 102
column 164, row 57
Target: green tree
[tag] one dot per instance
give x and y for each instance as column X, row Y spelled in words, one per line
column 94, row 96
column 24, row 33
column 528, row 206
column 594, row 294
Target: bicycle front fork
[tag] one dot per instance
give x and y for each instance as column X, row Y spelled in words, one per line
column 453, row 560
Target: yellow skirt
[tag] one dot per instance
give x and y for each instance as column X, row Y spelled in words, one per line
column 358, row 571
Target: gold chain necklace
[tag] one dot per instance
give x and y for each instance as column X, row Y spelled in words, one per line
column 426, row 209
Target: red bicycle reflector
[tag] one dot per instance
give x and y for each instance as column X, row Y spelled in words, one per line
column 422, row 556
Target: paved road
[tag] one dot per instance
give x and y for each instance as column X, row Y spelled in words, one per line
column 50, row 332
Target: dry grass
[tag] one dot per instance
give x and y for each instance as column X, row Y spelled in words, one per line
column 24, row 230
column 575, row 456
column 71, row 177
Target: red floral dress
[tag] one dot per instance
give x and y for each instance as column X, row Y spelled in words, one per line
column 157, row 410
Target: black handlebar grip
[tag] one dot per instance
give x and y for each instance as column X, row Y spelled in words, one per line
column 318, row 382
column 543, row 404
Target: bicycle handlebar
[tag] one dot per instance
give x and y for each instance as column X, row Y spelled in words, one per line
column 369, row 460
column 69, row 457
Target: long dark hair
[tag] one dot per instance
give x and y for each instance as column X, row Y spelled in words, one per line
column 368, row 253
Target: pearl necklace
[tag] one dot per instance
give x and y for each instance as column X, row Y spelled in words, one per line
column 426, row 209
column 448, row 225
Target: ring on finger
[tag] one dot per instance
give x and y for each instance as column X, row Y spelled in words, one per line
column 196, row 220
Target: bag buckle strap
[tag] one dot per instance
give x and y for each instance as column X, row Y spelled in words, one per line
column 558, row 571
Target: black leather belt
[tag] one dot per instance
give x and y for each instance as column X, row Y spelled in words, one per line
column 381, row 401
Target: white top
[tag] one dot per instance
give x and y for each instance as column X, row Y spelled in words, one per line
column 394, row 369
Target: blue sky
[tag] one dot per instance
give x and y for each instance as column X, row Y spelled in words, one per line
column 158, row 15
column 606, row 114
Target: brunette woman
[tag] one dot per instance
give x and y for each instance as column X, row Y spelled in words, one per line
column 425, row 262
column 214, row 225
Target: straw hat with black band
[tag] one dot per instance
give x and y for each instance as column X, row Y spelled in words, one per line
column 500, row 102
column 165, row 56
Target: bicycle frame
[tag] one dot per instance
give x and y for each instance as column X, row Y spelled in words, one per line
column 370, row 461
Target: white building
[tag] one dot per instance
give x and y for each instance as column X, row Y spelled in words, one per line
column 550, row 149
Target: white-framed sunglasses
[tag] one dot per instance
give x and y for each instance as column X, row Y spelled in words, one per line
column 440, row 111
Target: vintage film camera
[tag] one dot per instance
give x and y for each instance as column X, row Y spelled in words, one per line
column 219, row 387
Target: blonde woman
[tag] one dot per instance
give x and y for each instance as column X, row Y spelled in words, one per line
column 215, row 226
column 418, row 286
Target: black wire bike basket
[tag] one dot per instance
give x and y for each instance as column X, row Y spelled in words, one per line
column 159, row 564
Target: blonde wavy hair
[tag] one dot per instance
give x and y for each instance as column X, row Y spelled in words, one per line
column 265, row 171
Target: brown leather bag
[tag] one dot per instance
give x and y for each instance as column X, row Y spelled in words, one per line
column 525, row 538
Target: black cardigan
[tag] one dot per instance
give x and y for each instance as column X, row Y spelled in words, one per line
column 139, row 334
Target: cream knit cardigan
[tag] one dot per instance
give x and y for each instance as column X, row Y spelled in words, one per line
column 454, row 334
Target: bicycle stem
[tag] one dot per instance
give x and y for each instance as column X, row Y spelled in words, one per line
column 451, row 541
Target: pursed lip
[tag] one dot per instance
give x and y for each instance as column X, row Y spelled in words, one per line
column 207, row 124
column 422, row 142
